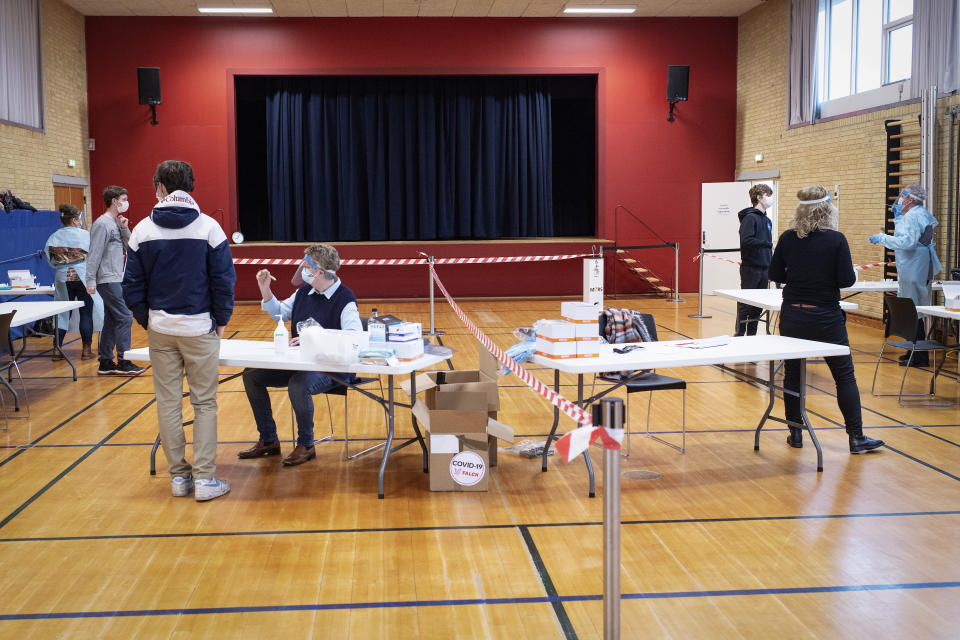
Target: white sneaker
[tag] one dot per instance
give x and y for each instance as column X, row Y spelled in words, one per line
column 181, row 486
column 210, row 488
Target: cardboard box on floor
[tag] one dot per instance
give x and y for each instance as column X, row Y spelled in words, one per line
column 459, row 410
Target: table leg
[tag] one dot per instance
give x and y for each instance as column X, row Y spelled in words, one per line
column 556, row 421
column 416, row 427
column 803, row 412
column 766, row 414
column 586, row 453
column 56, row 347
column 386, row 449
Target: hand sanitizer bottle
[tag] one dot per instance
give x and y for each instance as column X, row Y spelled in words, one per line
column 281, row 339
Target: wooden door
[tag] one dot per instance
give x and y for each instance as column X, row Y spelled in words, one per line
column 69, row 195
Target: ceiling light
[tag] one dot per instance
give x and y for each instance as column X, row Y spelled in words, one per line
column 597, row 9
column 235, row 9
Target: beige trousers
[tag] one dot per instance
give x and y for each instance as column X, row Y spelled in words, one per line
column 170, row 356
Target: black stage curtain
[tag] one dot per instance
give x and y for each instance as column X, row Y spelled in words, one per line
column 409, row 158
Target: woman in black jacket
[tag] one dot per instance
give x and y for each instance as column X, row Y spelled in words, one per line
column 813, row 259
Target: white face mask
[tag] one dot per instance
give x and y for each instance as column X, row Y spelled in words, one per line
column 123, row 205
column 767, row 201
column 307, row 274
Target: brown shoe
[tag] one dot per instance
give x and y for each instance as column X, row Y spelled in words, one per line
column 260, row 450
column 57, row 355
column 87, row 353
column 300, row 455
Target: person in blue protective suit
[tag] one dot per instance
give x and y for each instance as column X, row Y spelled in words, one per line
column 66, row 251
column 913, row 247
column 756, row 249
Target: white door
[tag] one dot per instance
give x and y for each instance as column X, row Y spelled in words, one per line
column 720, row 229
column 720, row 202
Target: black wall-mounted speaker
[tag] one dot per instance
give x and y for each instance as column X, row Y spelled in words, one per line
column 678, row 79
column 148, row 85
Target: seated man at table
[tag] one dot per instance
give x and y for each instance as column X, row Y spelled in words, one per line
column 325, row 299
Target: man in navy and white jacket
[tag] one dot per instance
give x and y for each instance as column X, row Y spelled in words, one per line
column 179, row 286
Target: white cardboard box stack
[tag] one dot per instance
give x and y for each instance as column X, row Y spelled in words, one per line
column 407, row 340
column 577, row 335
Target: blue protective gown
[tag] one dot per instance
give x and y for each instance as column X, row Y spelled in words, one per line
column 75, row 238
column 913, row 247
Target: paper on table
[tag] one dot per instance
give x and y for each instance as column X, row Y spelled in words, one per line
column 705, row 343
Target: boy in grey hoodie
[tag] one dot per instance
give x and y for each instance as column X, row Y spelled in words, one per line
column 108, row 239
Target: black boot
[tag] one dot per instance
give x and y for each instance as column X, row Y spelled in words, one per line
column 860, row 443
column 795, row 439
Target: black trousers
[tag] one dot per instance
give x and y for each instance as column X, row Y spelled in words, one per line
column 823, row 324
column 748, row 317
column 76, row 290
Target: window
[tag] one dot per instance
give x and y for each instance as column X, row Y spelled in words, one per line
column 863, row 46
column 21, row 90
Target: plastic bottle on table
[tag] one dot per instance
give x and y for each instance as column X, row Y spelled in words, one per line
column 281, row 339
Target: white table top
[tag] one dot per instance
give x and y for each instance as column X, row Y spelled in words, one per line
column 42, row 290
column 259, row 354
column 769, row 299
column 938, row 311
column 862, row 286
column 27, row 312
column 656, row 355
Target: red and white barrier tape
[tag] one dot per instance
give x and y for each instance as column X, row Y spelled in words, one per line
column 378, row 262
column 572, row 443
column 710, row 255
column 874, row 264
column 857, row 267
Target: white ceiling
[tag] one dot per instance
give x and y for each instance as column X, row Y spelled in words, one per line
column 412, row 8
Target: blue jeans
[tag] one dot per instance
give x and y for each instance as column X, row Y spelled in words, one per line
column 823, row 324
column 301, row 387
column 117, row 320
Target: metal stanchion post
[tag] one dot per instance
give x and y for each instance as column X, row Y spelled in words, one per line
column 609, row 413
column 699, row 313
column 433, row 331
column 676, row 274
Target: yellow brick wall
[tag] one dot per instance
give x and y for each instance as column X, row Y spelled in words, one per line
column 28, row 159
column 849, row 152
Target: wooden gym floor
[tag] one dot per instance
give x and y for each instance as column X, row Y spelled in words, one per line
column 728, row 543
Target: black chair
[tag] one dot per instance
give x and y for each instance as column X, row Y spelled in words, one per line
column 341, row 390
column 650, row 381
column 9, row 362
column 902, row 323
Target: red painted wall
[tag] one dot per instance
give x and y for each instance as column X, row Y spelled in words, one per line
column 652, row 167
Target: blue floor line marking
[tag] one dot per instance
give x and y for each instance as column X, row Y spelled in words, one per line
column 467, row 527
column 518, row 435
column 395, row 604
column 919, row 461
column 72, row 466
column 927, row 433
column 50, row 431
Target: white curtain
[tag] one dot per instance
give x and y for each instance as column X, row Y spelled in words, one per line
column 803, row 48
column 936, row 52
column 20, row 72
